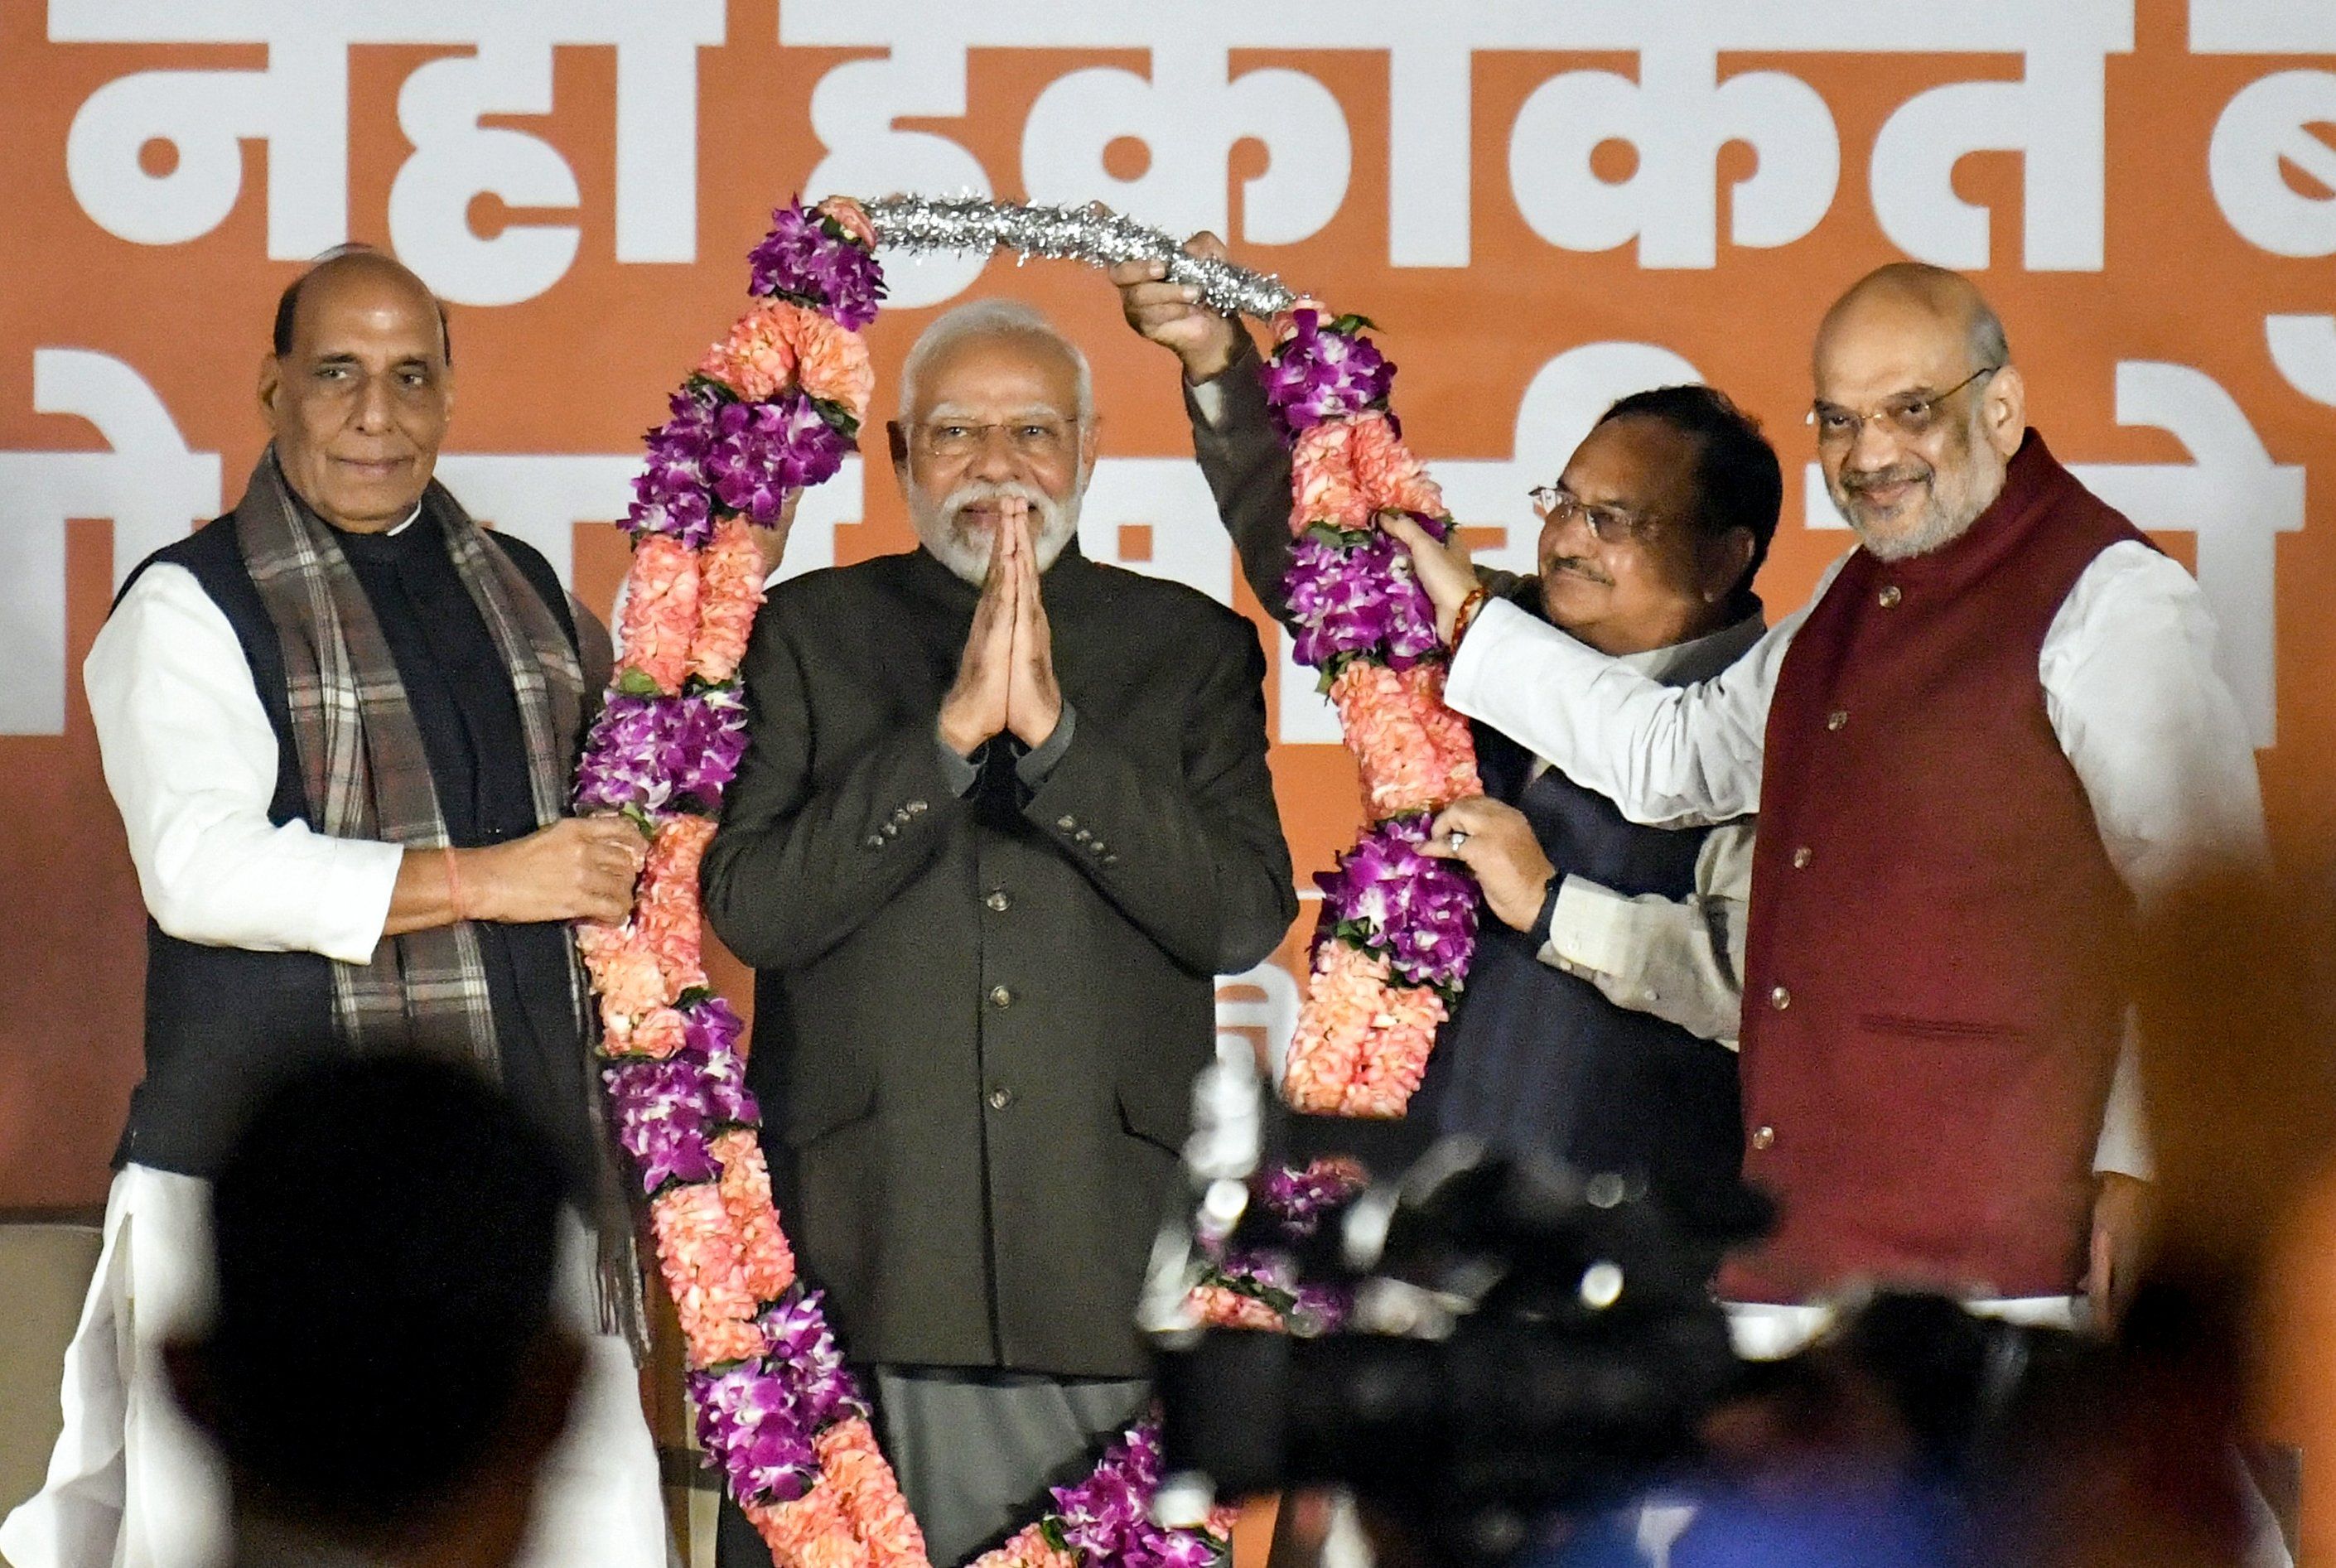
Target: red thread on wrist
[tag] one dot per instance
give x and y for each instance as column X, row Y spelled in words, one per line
column 1466, row 617
column 454, row 899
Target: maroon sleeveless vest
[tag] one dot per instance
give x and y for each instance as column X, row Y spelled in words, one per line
column 1931, row 1016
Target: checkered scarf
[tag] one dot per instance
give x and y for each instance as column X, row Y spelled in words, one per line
column 360, row 752
column 368, row 777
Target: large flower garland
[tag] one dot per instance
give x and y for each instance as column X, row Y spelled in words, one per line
column 1398, row 927
column 773, row 408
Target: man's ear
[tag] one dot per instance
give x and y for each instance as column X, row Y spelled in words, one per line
column 2005, row 410
column 187, row 1364
column 1090, row 442
column 1728, row 556
column 271, row 384
column 897, row 440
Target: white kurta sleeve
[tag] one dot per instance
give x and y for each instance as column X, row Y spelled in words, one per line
column 2159, row 744
column 1667, row 756
column 1681, row 960
column 190, row 759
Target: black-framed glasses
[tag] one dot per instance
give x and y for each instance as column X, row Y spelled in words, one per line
column 1607, row 525
column 1911, row 414
column 953, row 438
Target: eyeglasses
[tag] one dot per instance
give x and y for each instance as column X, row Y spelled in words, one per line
column 1607, row 525
column 1911, row 414
column 1036, row 438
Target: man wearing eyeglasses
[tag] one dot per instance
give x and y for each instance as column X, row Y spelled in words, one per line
column 1004, row 816
column 1605, row 990
column 1995, row 730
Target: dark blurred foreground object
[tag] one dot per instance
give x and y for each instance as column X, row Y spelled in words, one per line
column 385, row 1374
column 1522, row 1341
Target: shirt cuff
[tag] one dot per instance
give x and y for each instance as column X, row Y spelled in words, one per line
column 353, row 898
column 1033, row 766
column 959, row 773
column 1586, row 926
column 1209, row 401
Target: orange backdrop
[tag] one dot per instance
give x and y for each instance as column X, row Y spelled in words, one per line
column 1542, row 207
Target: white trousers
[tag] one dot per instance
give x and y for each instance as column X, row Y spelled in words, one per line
column 133, row 1483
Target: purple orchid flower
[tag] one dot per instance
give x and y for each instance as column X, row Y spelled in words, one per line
column 750, row 1425
column 1325, row 370
column 806, row 260
column 1419, row 911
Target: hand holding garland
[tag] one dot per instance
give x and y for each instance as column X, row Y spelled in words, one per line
column 1442, row 568
column 1172, row 314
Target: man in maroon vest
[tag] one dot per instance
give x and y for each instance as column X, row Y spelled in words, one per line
column 1995, row 729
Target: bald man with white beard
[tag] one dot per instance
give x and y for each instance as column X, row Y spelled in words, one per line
column 1004, row 816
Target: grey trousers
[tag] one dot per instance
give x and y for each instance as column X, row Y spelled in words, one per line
column 976, row 1451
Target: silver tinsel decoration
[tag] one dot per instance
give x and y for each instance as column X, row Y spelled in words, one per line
column 1094, row 235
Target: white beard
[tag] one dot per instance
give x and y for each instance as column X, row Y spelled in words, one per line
column 940, row 524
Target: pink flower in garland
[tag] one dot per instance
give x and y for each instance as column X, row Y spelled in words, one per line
column 810, row 1532
column 768, row 1262
column 1322, row 487
column 698, row 1254
column 1027, row 1548
column 1221, row 1306
column 1413, row 753
column 665, row 915
column 1390, row 476
column 632, row 991
column 1355, row 1027
column 729, row 592
column 779, row 346
column 661, row 618
column 869, row 1495
column 1324, row 369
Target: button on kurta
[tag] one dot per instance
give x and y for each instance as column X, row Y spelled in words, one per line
column 1001, row 1097
column 1780, row 999
column 1763, row 1136
column 999, row 996
column 1836, row 718
column 999, row 902
column 1801, row 858
column 1889, row 597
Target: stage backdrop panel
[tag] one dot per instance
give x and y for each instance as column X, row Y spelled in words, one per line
column 1542, row 205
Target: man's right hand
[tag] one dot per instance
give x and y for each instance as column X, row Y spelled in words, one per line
column 1171, row 313
column 975, row 708
column 578, row 869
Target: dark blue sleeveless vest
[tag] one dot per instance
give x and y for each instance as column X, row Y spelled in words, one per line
column 221, row 1022
column 1537, row 1059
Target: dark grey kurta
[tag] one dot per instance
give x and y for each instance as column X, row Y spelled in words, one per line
column 978, row 1020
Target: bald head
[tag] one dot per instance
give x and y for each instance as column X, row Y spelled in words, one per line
column 1917, row 298
column 1918, row 408
column 354, row 260
column 358, row 390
